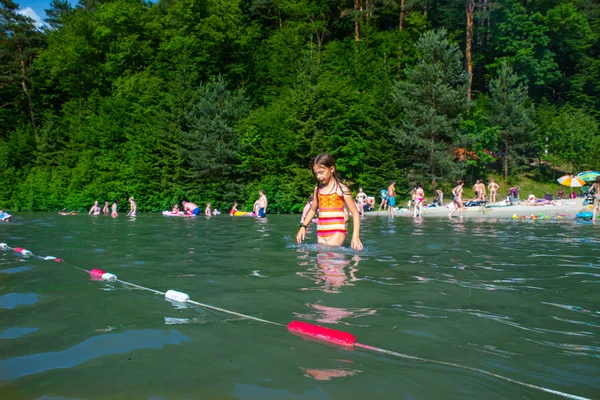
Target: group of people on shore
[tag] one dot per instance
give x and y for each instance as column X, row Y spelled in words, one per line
column 112, row 210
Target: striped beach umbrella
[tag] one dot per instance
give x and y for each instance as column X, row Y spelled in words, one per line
column 588, row 176
column 571, row 181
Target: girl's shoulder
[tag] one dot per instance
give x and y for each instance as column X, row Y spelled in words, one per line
column 343, row 189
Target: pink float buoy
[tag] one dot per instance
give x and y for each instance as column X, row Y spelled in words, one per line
column 18, row 249
column 320, row 333
column 96, row 274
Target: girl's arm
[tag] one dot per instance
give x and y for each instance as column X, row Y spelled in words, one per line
column 309, row 216
column 355, row 243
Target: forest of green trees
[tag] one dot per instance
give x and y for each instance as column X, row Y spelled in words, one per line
column 211, row 100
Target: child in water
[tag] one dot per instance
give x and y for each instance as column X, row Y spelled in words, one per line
column 330, row 197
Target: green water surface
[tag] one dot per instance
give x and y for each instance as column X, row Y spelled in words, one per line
column 518, row 299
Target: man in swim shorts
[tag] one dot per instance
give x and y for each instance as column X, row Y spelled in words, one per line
column 190, row 208
column 391, row 195
column 262, row 204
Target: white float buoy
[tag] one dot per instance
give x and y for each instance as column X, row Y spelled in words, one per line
column 176, row 296
column 107, row 277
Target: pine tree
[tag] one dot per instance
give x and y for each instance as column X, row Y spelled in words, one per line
column 432, row 99
column 511, row 110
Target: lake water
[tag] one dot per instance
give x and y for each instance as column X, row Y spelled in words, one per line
column 518, row 299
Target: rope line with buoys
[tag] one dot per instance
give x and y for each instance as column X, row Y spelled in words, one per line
column 317, row 333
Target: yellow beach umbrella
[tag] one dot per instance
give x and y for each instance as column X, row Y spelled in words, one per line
column 571, row 181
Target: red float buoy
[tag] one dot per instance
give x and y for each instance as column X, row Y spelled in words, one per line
column 18, row 249
column 96, row 274
column 321, row 333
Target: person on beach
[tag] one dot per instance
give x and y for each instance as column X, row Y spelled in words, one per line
column 440, row 197
column 482, row 192
column 595, row 189
column 420, row 196
column 476, row 189
column 95, row 209
column 457, row 192
column 106, row 209
column 132, row 207
column 560, row 193
column 361, row 197
column 114, row 212
column 208, row 210
column 233, row 209
column 330, row 197
column 391, row 194
column 307, row 207
column 413, row 198
column 384, row 203
column 260, row 205
column 190, row 208
column 493, row 186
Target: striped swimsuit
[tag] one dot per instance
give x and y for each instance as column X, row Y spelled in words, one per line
column 331, row 215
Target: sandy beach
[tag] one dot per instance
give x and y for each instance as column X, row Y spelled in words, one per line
column 566, row 209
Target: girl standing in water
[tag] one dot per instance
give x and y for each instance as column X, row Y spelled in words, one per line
column 330, row 197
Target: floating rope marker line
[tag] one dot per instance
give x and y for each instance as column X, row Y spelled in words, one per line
column 100, row 275
column 317, row 333
column 348, row 341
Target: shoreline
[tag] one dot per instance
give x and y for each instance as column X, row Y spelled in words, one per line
column 563, row 210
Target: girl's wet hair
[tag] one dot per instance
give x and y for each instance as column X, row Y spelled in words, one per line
column 327, row 161
column 460, row 182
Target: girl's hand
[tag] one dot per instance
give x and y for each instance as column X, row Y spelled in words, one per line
column 355, row 244
column 300, row 235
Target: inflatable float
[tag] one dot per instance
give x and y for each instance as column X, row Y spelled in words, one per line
column 584, row 215
column 167, row 213
column 242, row 214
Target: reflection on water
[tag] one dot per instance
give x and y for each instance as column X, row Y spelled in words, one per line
column 117, row 343
column 333, row 315
column 328, row 374
column 16, row 332
column 329, row 270
column 12, row 300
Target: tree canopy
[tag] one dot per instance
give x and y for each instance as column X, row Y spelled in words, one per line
column 212, row 100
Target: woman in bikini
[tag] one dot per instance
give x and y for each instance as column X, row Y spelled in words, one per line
column 419, row 197
column 458, row 203
column 330, row 198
